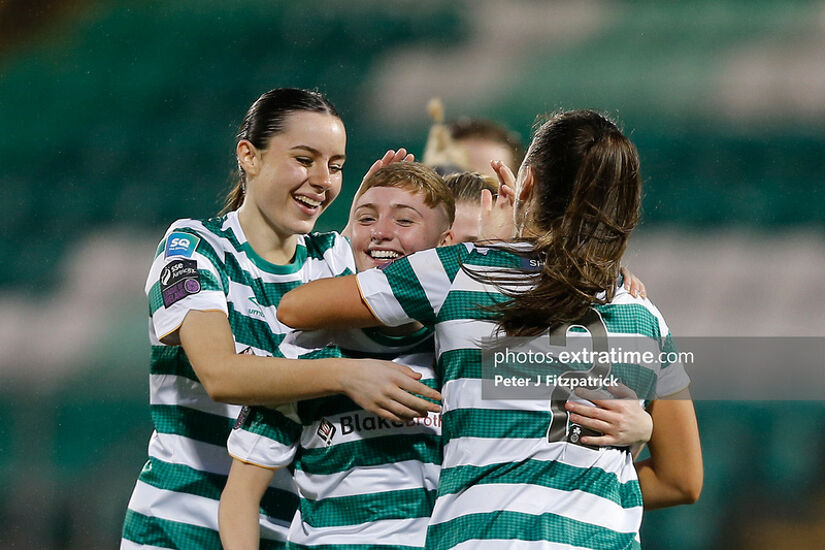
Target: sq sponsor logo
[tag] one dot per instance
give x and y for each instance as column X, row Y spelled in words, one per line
column 181, row 244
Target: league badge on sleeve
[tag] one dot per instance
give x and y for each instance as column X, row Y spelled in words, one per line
column 179, row 279
column 181, row 244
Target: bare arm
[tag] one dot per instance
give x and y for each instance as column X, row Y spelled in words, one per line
column 240, row 500
column 379, row 386
column 326, row 303
column 674, row 472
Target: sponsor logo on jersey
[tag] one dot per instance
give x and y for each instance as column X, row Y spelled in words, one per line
column 255, row 309
column 326, row 431
column 532, row 263
column 179, row 279
column 181, row 244
column 366, row 423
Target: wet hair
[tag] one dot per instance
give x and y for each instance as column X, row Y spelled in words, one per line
column 266, row 118
column 585, row 203
column 415, row 178
column 467, row 186
column 466, row 128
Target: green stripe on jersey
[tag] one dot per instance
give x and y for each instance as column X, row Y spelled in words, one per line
column 368, row 507
column 375, row 451
column 492, row 423
column 464, row 304
column 271, row 424
column 633, row 319
column 171, row 360
column 407, row 290
column 460, row 363
column 544, row 473
column 518, row 526
column 163, row 533
column 294, row 546
column 201, row 426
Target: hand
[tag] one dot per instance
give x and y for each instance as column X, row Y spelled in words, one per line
column 496, row 221
column 390, row 157
column 622, row 419
column 633, row 284
column 386, row 389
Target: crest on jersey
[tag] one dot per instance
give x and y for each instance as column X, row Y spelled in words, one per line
column 181, row 244
column 326, row 430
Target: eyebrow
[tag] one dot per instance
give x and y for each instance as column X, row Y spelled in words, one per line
column 392, row 205
column 316, row 152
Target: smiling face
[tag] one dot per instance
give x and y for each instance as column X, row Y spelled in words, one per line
column 292, row 181
column 391, row 222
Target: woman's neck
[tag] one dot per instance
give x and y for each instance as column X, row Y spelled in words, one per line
column 265, row 239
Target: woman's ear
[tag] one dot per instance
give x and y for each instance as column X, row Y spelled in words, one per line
column 248, row 158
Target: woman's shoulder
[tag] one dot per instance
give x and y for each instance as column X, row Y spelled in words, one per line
column 185, row 235
column 626, row 313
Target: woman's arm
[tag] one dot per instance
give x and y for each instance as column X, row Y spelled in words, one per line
column 382, row 387
column 241, row 498
column 674, row 472
column 326, row 303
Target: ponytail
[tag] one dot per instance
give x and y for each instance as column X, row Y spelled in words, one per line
column 588, row 191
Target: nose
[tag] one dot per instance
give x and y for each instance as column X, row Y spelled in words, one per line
column 321, row 177
column 382, row 230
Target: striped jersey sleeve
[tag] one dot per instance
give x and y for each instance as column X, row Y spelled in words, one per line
column 412, row 288
column 183, row 277
column 265, row 437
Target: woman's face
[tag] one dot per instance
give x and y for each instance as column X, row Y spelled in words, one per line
column 299, row 174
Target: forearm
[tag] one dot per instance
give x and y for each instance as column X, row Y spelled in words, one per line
column 249, row 380
column 660, row 492
column 238, row 511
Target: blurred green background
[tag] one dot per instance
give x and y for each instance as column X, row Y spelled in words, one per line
column 118, row 117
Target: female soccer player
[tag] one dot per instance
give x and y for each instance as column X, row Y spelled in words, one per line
column 515, row 472
column 213, row 291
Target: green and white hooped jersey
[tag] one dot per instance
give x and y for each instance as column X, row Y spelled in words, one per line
column 364, row 482
column 505, row 481
column 208, row 265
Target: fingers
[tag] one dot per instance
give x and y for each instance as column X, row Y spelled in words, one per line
column 622, row 391
column 633, row 284
column 505, row 175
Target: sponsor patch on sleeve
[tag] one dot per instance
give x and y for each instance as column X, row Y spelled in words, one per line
column 179, row 279
column 181, row 244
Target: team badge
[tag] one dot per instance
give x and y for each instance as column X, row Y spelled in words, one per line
column 181, row 244
column 326, row 431
column 179, row 279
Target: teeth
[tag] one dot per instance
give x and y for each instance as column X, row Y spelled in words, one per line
column 384, row 254
column 307, row 201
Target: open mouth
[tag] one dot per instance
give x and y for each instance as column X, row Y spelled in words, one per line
column 383, row 255
column 308, row 204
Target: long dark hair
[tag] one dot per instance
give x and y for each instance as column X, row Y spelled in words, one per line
column 586, row 196
column 265, row 118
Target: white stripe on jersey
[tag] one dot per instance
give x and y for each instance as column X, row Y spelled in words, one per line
column 178, row 449
column 466, row 394
column 170, row 389
column 191, row 509
column 480, row 451
column 437, row 283
column 391, row 532
column 383, row 304
column 537, row 500
column 359, row 481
